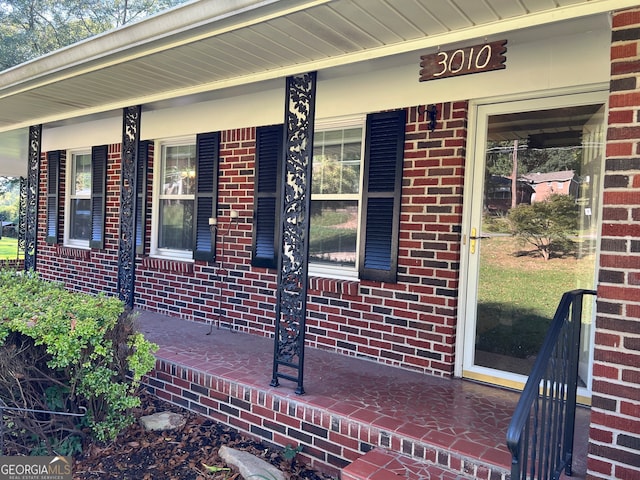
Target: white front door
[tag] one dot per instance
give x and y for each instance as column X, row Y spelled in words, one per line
column 531, row 163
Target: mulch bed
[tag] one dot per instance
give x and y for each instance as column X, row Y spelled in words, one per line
column 183, row 453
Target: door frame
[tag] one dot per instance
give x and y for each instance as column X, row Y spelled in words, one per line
column 479, row 112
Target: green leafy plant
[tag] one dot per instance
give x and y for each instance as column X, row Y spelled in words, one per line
column 546, row 225
column 215, row 469
column 67, row 352
column 67, row 447
column 290, row 453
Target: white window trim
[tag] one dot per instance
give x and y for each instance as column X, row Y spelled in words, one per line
column 335, row 271
column 155, row 251
column 69, row 168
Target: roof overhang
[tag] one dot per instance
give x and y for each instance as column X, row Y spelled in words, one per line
column 208, row 46
column 212, row 44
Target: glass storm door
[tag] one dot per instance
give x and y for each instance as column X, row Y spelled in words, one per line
column 531, row 235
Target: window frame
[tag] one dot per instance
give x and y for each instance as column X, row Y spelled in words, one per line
column 159, row 148
column 69, row 197
column 326, row 270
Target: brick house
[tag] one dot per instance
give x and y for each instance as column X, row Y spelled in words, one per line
column 194, row 98
column 545, row 184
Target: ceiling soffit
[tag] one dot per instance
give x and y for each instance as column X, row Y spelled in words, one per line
column 261, row 41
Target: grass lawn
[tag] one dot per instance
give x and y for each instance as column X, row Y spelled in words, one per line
column 8, row 248
column 519, row 292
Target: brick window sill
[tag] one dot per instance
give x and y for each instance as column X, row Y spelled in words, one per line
column 166, row 265
column 332, row 285
column 73, row 252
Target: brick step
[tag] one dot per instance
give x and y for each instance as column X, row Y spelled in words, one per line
column 382, row 464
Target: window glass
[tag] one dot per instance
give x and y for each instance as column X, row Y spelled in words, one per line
column 334, row 232
column 79, row 225
column 335, row 197
column 336, row 162
column 175, row 225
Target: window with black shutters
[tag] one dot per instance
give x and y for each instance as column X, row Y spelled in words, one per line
column 77, row 224
column 336, row 180
column 185, row 197
column 355, row 200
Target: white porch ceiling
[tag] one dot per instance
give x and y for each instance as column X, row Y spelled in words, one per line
column 209, row 45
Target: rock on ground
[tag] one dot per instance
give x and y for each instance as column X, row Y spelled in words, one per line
column 249, row 465
column 162, row 421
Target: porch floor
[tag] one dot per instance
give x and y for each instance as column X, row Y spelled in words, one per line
column 459, row 416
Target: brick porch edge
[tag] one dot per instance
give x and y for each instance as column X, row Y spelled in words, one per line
column 331, row 439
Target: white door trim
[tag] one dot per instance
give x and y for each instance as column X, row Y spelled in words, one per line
column 479, row 112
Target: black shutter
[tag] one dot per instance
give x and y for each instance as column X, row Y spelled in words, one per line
column 53, row 195
column 206, row 204
column 384, row 153
column 141, row 195
column 266, row 199
column 98, row 195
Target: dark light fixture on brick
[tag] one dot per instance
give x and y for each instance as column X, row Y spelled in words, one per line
column 432, row 113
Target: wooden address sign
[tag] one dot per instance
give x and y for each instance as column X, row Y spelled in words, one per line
column 463, row 61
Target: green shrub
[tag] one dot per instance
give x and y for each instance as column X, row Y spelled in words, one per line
column 547, row 225
column 67, row 352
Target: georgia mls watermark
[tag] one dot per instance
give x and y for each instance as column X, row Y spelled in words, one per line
column 35, row 468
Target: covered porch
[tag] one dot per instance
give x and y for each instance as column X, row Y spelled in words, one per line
column 358, row 419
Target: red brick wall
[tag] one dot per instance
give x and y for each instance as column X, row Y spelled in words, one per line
column 90, row 271
column 410, row 324
column 202, row 291
column 614, row 450
column 17, row 264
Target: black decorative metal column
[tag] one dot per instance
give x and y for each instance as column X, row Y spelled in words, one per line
column 33, row 187
column 22, row 217
column 128, row 198
column 291, row 301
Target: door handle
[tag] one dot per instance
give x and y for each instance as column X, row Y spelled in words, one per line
column 472, row 240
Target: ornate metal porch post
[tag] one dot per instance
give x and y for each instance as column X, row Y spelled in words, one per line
column 128, row 199
column 291, row 300
column 33, row 187
column 22, row 217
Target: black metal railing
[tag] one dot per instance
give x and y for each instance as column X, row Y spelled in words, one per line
column 540, row 435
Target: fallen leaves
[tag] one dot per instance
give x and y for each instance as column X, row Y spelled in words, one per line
column 187, row 453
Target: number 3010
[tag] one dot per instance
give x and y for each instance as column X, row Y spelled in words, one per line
column 463, row 59
column 478, row 58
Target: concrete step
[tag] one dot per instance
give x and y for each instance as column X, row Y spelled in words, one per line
column 382, row 464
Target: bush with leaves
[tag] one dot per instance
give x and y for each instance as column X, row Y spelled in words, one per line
column 547, row 225
column 66, row 352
